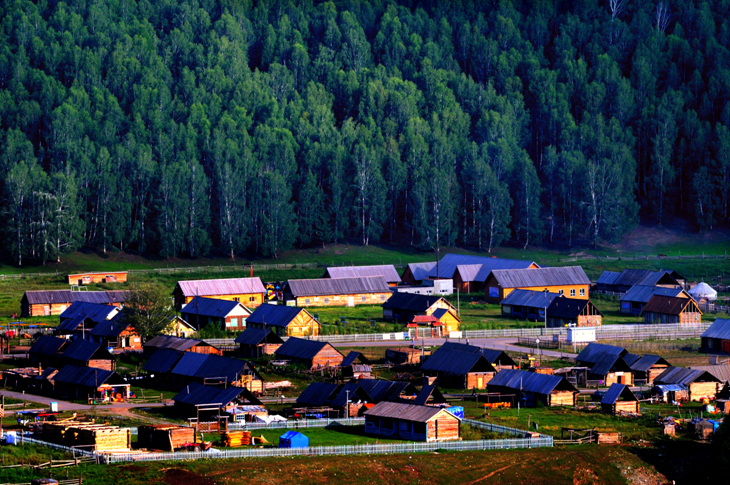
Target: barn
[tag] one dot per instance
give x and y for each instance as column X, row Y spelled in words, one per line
column 416, row 273
column 633, row 301
column 386, row 271
column 700, row 384
column 257, row 342
column 716, row 339
column 89, row 278
column 38, row 303
column 573, row 312
column 531, row 388
column 313, row 354
column 225, row 314
column 404, row 306
column 248, row 291
column 619, row 399
column 285, row 321
column 470, row 272
column 569, row 280
column 369, row 290
column 457, row 369
column 412, row 422
column 667, row 309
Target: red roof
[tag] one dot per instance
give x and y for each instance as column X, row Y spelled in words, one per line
column 424, row 319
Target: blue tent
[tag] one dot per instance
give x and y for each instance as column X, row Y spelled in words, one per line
column 293, row 439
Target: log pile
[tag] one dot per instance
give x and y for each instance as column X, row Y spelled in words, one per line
column 236, row 438
column 608, row 438
column 87, row 435
column 164, row 437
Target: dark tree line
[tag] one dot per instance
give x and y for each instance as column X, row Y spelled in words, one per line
column 191, row 127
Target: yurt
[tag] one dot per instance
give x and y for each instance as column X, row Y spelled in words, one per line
column 703, row 291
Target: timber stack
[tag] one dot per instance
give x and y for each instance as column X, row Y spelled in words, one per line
column 164, row 437
column 87, row 435
column 232, row 439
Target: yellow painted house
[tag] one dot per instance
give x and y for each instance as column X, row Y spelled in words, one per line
column 179, row 328
column 248, row 291
column 570, row 281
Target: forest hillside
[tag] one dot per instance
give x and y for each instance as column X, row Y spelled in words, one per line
column 187, row 128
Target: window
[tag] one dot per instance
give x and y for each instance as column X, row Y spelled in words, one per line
column 382, row 297
column 234, row 322
column 364, row 298
column 236, row 299
column 251, row 298
column 560, row 292
column 306, row 301
column 582, row 292
column 572, row 292
column 326, row 300
column 336, row 298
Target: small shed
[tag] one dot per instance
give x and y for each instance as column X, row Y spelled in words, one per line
column 532, row 388
column 461, row 370
column 564, row 312
column 619, row 399
column 293, row 439
column 412, row 422
column 257, row 342
column 285, row 321
column 646, row 368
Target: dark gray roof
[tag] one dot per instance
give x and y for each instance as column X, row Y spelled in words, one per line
column 420, row 271
column 631, row 277
column 530, row 381
column 720, row 371
column 211, row 307
column 682, row 376
column 47, row 345
column 646, row 362
column 298, row 348
column 317, row 394
column 195, row 394
column 410, row 412
column 95, row 311
column 427, row 391
column 609, row 363
column 516, row 278
column 565, row 307
column 39, row 297
column 224, row 286
column 337, row 286
column 454, row 362
column 494, row 356
column 275, row 315
column 719, row 329
column 84, row 350
column 163, row 360
column 386, row 271
column 256, row 336
column 189, row 364
column 529, row 298
column 172, row 342
column 85, row 376
column 631, row 358
column 618, row 392
column 608, row 278
column 447, row 266
column 350, row 358
column 668, row 305
column 381, row 390
column 594, row 352
column 352, row 390
column 111, row 328
column 643, row 293
column 70, row 325
column 411, row 302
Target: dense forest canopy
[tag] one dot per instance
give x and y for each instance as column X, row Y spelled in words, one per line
column 184, row 128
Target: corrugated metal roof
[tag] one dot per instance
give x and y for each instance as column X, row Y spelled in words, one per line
column 608, row 278
column 297, row 348
column 410, row 412
column 412, row 302
column 427, row 391
column 719, row 329
column 381, row 390
column 338, row 286
column 163, row 360
column 609, row 363
column 529, row 298
column 352, row 390
column 111, row 328
column 722, row 371
column 317, row 394
column 631, row 359
column 682, row 376
column 224, row 286
column 616, row 392
column 420, row 271
column 593, row 352
column 47, row 345
column 447, row 265
column 386, row 271
column 195, row 394
column 350, row 358
column 642, row 293
column 530, row 381
column 646, row 362
column 468, row 272
column 69, row 326
column 95, row 311
column 189, row 364
column 456, row 363
column 85, row 376
column 83, row 350
column 494, row 356
column 171, row 342
column 670, row 387
column 275, row 315
column 517, row 278
column 40, row 297
column 211, row 307
column 631, row 277
column 256, row 336
column 668, row 305
column 564, row 307
column 228, row 367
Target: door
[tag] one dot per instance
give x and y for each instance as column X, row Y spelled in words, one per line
column 46, row 310
column 350, row 301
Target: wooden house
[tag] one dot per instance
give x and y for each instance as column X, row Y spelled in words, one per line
column 646, row 368
column 411, row 355
column 257, row 342
column 606, row 364
column 81, row 382
column 667, row 309
column 89, row 278
column 527, row 304
column 178, row 327
column 632, row 302
column 85, row 353
column 573, row 312
column 369, row 290
column 619, row 399
column 404, row 306
column 457, row 369
column 568, row 280
column 438, row 324
column 248, row 291
column 225, row 314
column 700, row 384
column 498, row 358
column 216, row 370
column 285, row 321
column 621, row 282
column 416, row 273
column 720, row 370
column 469, row 272
column 313, row 354
column 47, row 350
column 412, row 422
column 196, row 398
column 531, row 388
column 54, row 302
column 117, row 334
column 386, row 271
column 160, row 364
column 716, row 339
column 355, row 366
column 354, row 396
column 79, row 310
column 180, row 344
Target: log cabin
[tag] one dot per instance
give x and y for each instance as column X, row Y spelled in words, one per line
column 469, row 273
column 54, row 302
column 605, row 363
column 257, row 342
column 285, row 321
column 632, row 302
column 85, row 353
column 180, row 344
column 531, row 388
column 700, row 384
column 412, row 422
column 403, row 307
column 349, row 292
column 527, row 304
column 225, row 314
column 47, row 350
column 457, row 369
column 573, row 312
column 386, row 271
column 568, row 280
column 619, row 399
column 89, row 278
column 407, row 355
column 117, row 334
column 248, row 291
column 667, row 309
column 214, row 369
column 498, row 358
column 81, row 382
column 311, row 353
column 178, row 327
column 214, row 400
column 646, row 368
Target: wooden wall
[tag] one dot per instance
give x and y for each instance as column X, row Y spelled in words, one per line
column 302, row 325
column 620, row 378
column 250, row 300
column 87, row 278
column 562, row 398
column 327, row 357
column 700, row 390
column 503, row 292
column 478, row 380
column 342, row 300
column 443, row 428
